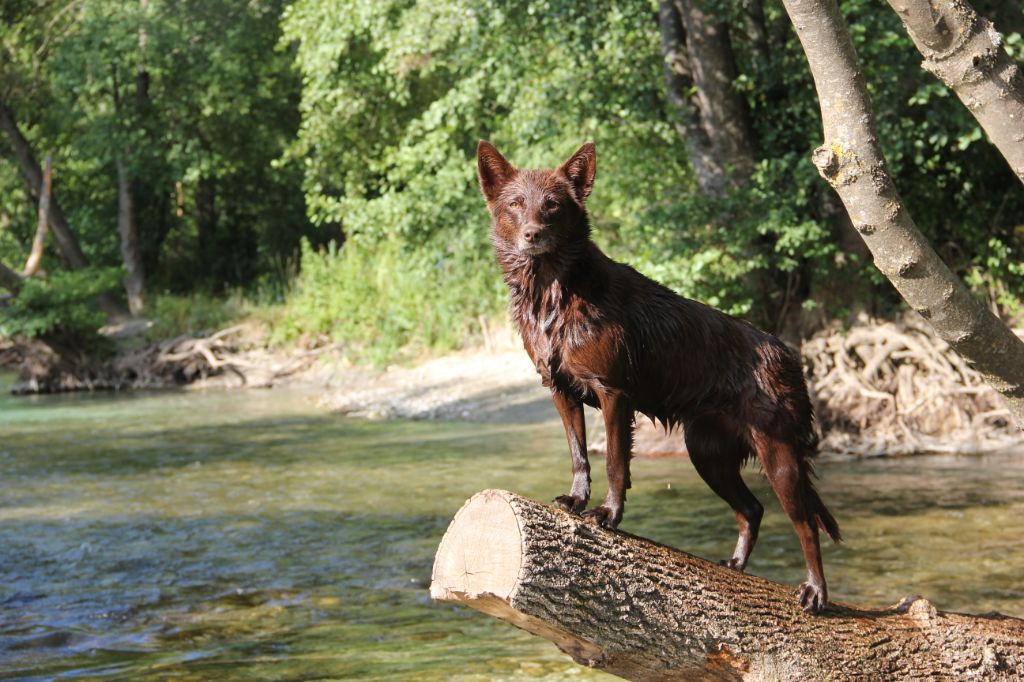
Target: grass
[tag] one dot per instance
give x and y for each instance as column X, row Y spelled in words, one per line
column 380, row 303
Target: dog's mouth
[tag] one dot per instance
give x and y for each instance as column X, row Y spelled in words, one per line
column 537, row 247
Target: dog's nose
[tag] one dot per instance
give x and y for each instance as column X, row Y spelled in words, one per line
column 530, row 233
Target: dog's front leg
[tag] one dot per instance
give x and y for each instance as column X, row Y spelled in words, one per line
column 618, row 424
column 571, row 411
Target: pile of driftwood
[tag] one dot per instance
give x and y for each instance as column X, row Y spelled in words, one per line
column 182, row 360
column 186, row 359
column 50, row 366
column 895, row 388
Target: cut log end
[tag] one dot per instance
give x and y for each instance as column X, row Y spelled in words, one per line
column 481, row 554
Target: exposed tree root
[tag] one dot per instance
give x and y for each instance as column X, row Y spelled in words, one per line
column 51, row 366
column 895, row 388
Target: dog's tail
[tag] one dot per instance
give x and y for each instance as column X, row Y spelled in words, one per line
column 820, row 512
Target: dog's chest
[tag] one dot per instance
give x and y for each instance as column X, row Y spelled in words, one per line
column 555, row 337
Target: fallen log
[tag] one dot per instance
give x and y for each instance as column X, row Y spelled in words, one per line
column 644, row 611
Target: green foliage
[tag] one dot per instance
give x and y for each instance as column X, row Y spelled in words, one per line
column 62, row 303
column 396, row 95
column 191, row 96
column 998, row 274
column 260, row 126
column 536, row 78
column 17, row 220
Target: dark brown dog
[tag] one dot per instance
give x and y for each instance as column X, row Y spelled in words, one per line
column 602, row 334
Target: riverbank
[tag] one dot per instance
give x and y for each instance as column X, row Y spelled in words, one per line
column 880, row 388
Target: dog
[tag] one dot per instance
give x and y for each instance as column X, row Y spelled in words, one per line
column 602, row 334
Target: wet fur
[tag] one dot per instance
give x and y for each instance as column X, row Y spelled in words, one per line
column 602, row 334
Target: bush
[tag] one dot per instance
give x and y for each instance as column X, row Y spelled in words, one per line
column 384, row 298
column 64, row 304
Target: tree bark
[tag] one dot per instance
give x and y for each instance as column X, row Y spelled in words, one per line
column 644, row 611
column 757, row 28
column 35, row 254
column 852, row 162
column 723, row 111
column 33, row 174
column 128, row 229
column 965, row 51
column 127, row 213
column 678, row 80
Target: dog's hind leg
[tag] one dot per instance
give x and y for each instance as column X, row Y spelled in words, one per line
column 789, row 477
column 717, row 454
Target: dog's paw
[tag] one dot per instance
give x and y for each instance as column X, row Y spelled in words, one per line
column 603, row 516
column 570, row 503
column 811, row 597
column 733, row 563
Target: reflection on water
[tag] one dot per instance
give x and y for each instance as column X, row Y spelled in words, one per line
column 250, row 535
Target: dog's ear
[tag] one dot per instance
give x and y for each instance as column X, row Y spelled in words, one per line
column 493, row 169
column 580, row 169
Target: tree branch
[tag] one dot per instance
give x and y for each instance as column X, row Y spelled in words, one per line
column 67, row 242
column 35, row 255
column 33, row 174
column 965, row 51
column 852, row 162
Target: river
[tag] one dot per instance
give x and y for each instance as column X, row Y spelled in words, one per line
column 251, row 535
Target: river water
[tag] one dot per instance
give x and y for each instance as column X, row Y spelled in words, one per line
column 251, row 535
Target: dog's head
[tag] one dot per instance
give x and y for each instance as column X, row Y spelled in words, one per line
column 536, row 212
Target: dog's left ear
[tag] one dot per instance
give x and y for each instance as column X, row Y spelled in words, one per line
column 580, row 169
column 493, row 170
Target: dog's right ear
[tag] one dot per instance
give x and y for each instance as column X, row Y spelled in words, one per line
column 493, row 169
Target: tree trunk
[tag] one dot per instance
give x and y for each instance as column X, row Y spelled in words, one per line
column 723, row 111
column 127, row 212
column 644, row 611
column 852, row 162
column 966, row 53
column 128, row 228
column 33, row 174
column 686, row 118
column 757, row 28
column 35, row 254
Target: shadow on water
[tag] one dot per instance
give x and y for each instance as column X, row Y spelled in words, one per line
column 250, row 535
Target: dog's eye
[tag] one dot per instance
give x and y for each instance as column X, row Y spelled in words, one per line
column 515, row 203
column 551, row 205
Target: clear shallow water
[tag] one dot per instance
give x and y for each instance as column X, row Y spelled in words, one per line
column 249, row 535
